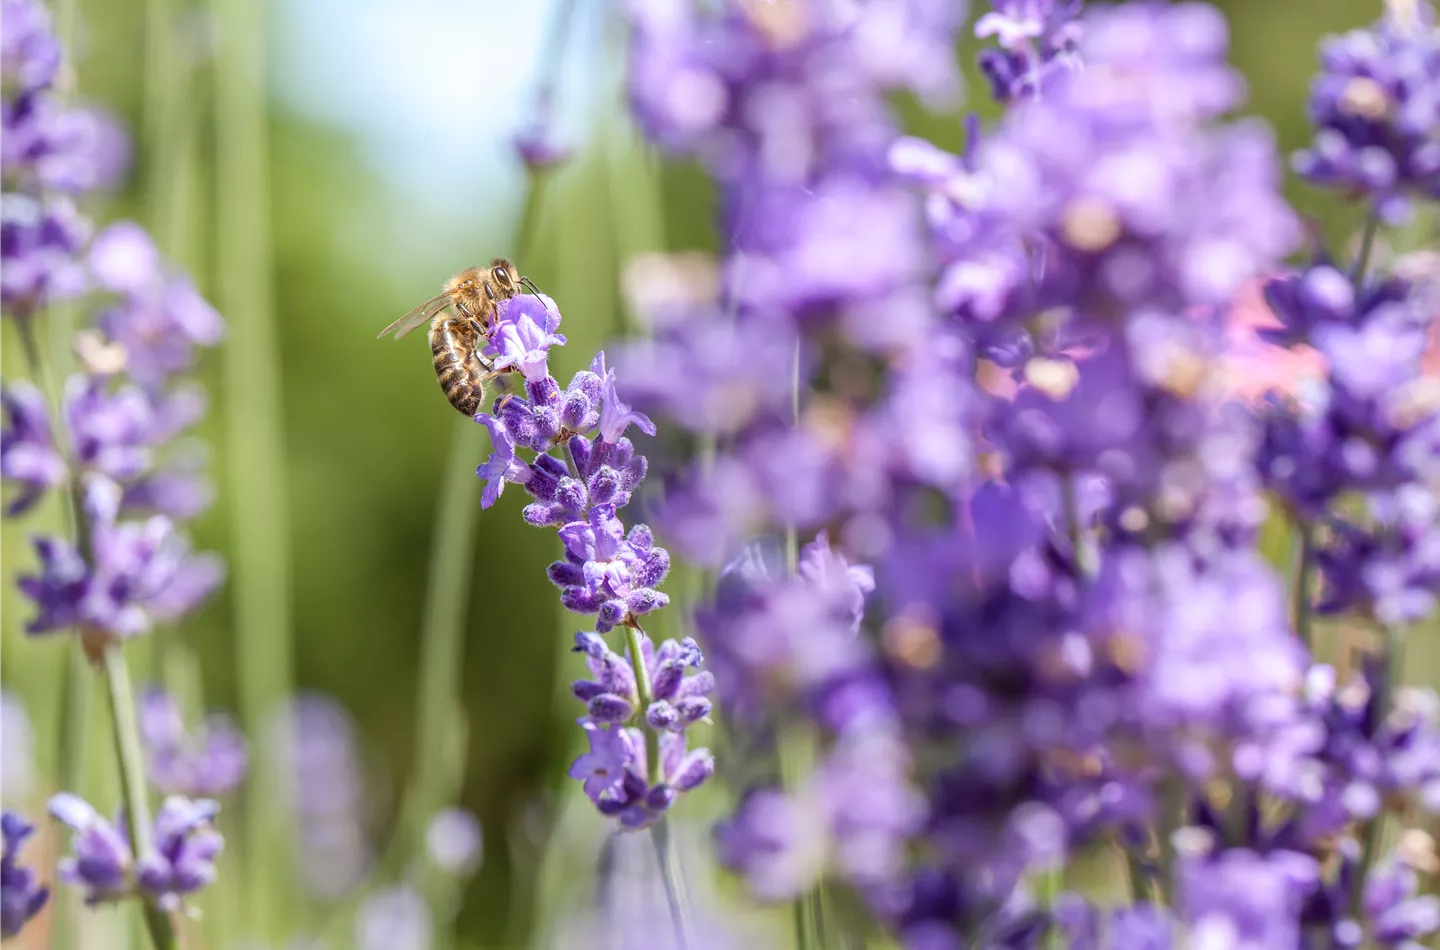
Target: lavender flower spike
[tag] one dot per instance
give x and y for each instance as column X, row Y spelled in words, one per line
column 101, row 861
column 21, row 893
column 210, row 761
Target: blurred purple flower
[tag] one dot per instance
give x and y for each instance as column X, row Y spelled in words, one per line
column 101, row 859
column 141, row 572
column 455, row 842
column 208, row 762
column 1373, row 106
column 28, row 48
column 186, row 846
column 39, row 241
column 21, row 893
column 1238, row 898
column 394, row 918
column 28, row 455
column 329, row 794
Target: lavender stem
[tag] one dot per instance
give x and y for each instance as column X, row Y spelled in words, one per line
column 1304, row 581
column 659, row 834
column 132, row 780
column 1380, row 706
column 674, row 883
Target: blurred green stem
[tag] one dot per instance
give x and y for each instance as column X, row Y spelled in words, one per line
column 674, row 881
column 659, row 834
column 1380, row 708
column 1304, row 580
column 255, row 439
column 132, row 784
column 75, row 676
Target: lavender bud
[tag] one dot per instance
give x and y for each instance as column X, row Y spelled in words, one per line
column 576, row 408
column 693, row 770
column 586, row 690
column 701, row 684
column 693, row 709
column 583, row 601
column 645, row 600
column 581, row 449
column 652, row 570
column 660, row 797
column 540, row 514
column 610, row 613
column 604, row 485
column 665, row 679
column 609, row 708
column 544, row 392
column 642, row 539
column 565, row 574
column 552, row 465
column 547, row 426
column 661, row 715
column 571, row 494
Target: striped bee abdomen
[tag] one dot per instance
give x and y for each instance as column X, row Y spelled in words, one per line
column 452, row 345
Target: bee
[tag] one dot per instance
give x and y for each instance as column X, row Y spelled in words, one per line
column 456, row 341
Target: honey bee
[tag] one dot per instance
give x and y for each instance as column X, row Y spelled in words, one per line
column 456, row 341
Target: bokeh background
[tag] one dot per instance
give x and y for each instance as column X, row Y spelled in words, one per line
column 389, row 160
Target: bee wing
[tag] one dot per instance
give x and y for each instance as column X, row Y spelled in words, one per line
column 415, row 317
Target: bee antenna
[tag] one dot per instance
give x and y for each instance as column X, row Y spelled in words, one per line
column 530, row 284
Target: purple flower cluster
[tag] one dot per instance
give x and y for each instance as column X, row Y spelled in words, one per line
column 21, row 893
column 117, row 445
column 208, row 762
column 1373, row 107
column 104, row 866
column 51, row 151
column 632, row 772
column 1068, row 636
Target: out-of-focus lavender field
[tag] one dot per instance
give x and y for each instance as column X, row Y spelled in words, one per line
column 956, row 475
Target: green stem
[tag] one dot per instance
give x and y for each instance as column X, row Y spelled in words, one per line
column 1074, row 529
column 660, row 836
column 674, row 882
column 258, row 467
column 634, row 637
column 1303, row 610
column 132, row 781
column 1380, row 704
column 1367, row 245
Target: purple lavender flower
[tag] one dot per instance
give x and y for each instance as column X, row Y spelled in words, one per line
column 186, row 846
column 28, row 457
column 615, row 771
column 28, row 47
column 21, row 893
column 1037, row 39
column 523, row 333
column 1088, row 927
column 394, row 918
column 209, row 762
column 329, row 794
column 39, row 241
column 101, row 862
column 455, row 842
column 1238, row 898
column 607, row 573
column 140, row 572
column 1373, row 106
